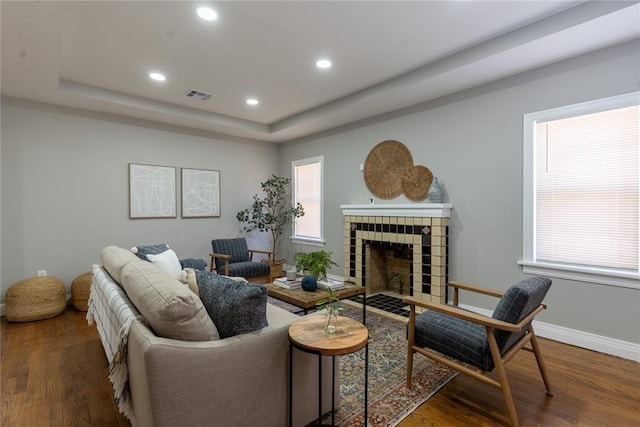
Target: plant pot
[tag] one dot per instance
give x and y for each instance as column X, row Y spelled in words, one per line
column 276, row 269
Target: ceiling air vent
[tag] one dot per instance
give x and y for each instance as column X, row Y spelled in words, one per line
column 197, row 94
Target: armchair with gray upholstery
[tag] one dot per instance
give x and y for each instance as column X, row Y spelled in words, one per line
column 477, row 343
column 232, row 257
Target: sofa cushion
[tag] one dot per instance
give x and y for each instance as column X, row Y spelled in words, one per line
column 168, row 262
column 236, row 307
column 170, row 308
column 113, row 259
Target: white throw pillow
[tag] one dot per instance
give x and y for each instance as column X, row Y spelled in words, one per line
column 168, row 262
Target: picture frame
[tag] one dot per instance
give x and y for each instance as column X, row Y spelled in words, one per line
column 152, row 191
column 200, row 193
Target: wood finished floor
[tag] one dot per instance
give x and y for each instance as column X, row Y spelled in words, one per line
column 54, row 373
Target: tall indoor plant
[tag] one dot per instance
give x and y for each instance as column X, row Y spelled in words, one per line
column 273, row 212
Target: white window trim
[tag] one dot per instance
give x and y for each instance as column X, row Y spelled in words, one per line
column 529, row 264
column 308, row 241
column 320, row 242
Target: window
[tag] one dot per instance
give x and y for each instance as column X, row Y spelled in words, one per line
column 581, row 168
column 307, row 183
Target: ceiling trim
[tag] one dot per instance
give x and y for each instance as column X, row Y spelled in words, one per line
column 568, row 18
column 115, row 97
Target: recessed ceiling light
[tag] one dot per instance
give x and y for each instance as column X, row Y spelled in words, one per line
column 157, row 77
column 207, row 13
column 323, row 63
column 252, row 101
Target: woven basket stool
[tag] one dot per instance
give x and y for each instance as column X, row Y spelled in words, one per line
column 35, row 298
column 80, row 288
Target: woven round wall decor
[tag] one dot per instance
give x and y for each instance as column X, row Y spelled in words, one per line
column 416, row 182
column 385, row 168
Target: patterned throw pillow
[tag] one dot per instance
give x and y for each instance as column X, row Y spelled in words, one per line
column 235, row 307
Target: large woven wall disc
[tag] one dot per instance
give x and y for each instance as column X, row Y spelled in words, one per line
column 416, row 183
column 385, row 168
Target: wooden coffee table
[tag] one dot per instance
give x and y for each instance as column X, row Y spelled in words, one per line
column 308, row 335
column 307, row 300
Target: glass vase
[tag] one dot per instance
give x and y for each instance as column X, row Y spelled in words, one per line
column 435, row 194
column 331, row 324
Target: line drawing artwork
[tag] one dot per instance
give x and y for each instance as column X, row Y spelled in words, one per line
column 200, row 193
column 152, row 191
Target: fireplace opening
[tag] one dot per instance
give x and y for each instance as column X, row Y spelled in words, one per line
column 388, row 268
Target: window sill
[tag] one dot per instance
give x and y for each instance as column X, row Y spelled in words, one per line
column 583, row 274
column 308, row 241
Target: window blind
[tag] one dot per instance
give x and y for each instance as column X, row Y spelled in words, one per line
column 308, row 192
column 586, row 189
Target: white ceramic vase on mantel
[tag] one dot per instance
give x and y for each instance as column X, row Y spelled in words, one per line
column 435, row 194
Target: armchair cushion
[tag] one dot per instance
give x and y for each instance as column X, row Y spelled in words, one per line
column 519, row 300
column 463, row 340
column 237, row 248
column 236, row 307
column 247, row 269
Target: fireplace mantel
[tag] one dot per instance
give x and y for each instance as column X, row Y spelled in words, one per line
column 421, row 210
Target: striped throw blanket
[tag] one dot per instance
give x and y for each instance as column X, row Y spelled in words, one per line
column 113, row 314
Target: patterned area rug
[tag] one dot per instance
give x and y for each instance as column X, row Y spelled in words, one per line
column 389, row 398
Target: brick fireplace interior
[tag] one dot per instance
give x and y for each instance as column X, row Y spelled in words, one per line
column 388, row 267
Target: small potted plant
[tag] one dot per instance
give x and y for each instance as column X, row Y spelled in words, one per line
column 333, row 308
column 315, row 263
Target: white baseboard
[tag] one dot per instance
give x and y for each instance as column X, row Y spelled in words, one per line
column 599, row 343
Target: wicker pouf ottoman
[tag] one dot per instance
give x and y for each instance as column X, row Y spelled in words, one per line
column 80, row 288
column 35, row 298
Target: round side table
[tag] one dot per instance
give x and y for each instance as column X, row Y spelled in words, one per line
column 308, row 335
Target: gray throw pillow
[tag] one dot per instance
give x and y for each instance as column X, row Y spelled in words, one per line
column 142, row 251
column 235, row 307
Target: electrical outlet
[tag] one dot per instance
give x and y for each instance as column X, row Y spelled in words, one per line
column 42, row 273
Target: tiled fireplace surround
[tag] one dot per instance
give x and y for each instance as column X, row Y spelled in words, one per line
column 421, row 229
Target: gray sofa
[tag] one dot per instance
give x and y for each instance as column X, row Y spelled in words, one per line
column 167, row 371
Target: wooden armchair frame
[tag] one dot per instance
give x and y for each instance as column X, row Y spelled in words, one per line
column 226, row 258
column 490, row 324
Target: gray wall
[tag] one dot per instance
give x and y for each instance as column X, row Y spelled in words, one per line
column 65, row 188
column 64, row 182
column 473, row 143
